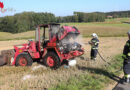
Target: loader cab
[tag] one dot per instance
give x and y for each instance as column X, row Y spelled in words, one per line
column 46, row 33
column 53, row 30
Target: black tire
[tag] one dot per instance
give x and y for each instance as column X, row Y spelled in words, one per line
column 27, row 60
column 55, row 59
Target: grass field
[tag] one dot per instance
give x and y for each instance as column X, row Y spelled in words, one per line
column 12, row 78
column 19, row 36
column 102, row 29
column 93, row 78
column 86, row 75
column 109, row 28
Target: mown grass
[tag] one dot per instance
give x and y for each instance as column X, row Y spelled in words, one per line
column 93, row 78
column 117, row 20
column 18, row 36
column 102, row 29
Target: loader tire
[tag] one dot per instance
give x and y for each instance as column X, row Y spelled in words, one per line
column 52, row 60
column 23, row 59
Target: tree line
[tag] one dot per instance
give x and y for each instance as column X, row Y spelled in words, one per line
column 82, row 17
column 119, row 14
column 26, row 21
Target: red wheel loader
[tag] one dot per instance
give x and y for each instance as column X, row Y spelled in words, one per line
column 60, row 45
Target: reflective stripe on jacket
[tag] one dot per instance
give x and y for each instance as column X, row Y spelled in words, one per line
column 95, row 43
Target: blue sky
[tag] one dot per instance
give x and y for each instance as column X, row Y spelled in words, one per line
column 64, row 7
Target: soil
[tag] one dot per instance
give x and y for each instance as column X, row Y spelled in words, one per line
column 5, row 45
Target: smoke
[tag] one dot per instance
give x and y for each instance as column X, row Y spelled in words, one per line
column 79, row 40
column 54, row 30
column 70, row 38
column 73, row 38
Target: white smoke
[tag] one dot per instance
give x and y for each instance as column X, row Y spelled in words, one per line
column 72, row 38
column 79, row 40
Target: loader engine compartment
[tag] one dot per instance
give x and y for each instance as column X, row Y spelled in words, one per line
column 67, row 47
column 68, row 42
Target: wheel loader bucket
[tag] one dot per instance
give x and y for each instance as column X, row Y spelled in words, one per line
column 2, row 60
column 5, row 57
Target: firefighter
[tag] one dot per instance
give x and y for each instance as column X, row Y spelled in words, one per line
column 126, row 57
column 94, row 46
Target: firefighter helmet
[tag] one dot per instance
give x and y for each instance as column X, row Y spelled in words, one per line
column 128, row 32
column 94, row 35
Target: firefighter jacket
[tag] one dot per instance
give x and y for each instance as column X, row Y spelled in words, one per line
column 126, row 52
column 94, row 43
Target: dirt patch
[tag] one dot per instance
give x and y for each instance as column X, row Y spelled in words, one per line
column 10, row 77
column 4, row 45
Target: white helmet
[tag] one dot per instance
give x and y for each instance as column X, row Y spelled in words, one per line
column 94, row 35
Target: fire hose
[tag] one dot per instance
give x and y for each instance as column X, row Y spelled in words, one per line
column 100, row 55
column 103, row 58
column 108, row 62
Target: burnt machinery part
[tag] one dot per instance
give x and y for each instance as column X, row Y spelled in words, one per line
column 5, row 57
column 2, row 60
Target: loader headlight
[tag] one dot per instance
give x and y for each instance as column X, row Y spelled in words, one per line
column 12, row 60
